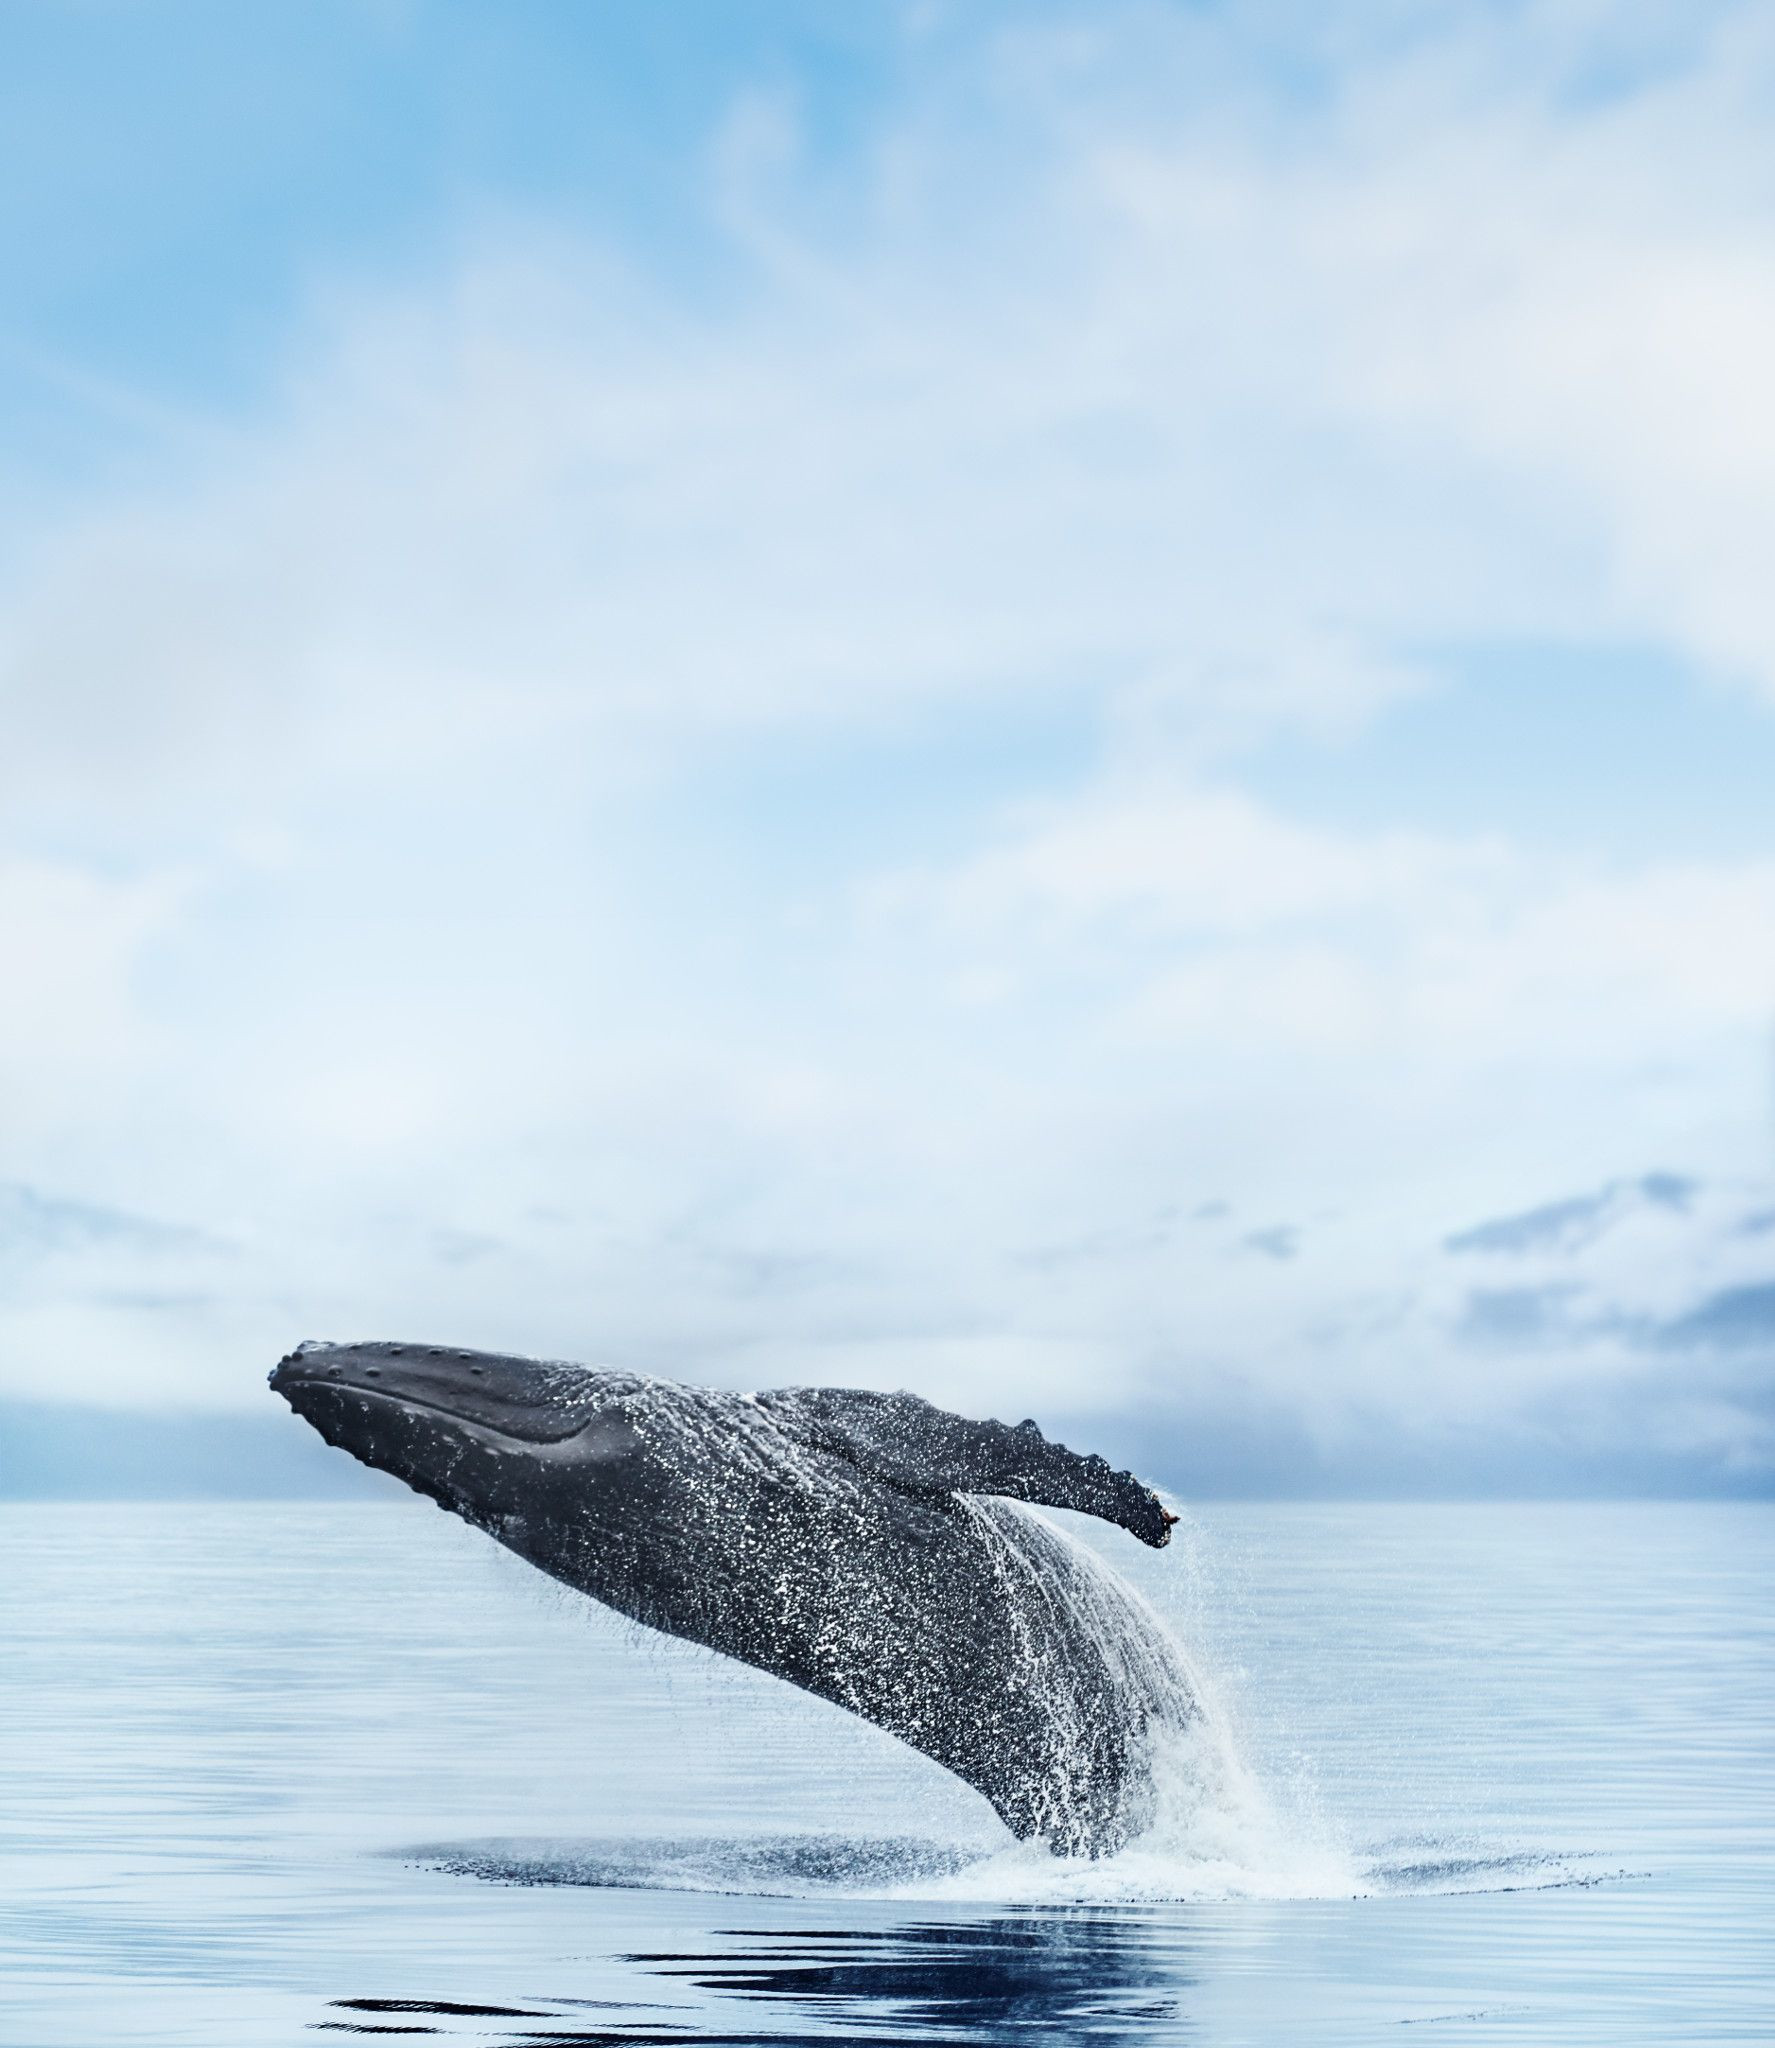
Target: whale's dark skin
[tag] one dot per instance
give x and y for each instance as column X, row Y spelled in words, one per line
column 833, row 1538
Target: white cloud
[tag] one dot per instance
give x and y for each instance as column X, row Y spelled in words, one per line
column 1242, row 406
column 73, row 941
column 1144, row 391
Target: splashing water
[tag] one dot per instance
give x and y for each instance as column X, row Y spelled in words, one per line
column 912, row 1870
column 1211, row 1828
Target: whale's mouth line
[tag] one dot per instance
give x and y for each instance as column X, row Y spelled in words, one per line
column 418, row 1405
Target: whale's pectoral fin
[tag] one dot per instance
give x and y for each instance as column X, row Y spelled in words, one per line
column 907, row 1443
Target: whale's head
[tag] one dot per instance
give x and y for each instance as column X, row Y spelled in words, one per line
column 492, row 1438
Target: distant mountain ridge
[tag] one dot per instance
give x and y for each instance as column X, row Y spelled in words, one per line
column 52, row 1450
column 61, row 1451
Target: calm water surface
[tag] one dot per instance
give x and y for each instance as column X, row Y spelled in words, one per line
column 277, row 1774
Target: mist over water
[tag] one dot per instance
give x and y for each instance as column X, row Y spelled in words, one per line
column 1498, row 1769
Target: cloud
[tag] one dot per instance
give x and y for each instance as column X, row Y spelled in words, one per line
column 1489, row 267
column 1577, row 1221
column 1737, row 1318
column 451, row 855
column 76, row 1276
column 1244, row 412
column 1315, row 1009
column 34, row 1224
column 1512, row 1315
column 1277, row 1242
column 73, row 938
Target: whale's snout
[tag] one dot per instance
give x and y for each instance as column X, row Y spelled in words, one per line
column 465, row 1428
column 485, row 1435
column 521, row 1399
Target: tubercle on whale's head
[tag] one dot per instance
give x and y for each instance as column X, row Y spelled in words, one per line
column 478, row 1432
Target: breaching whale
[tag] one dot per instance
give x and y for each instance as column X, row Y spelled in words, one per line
column 869, row 1548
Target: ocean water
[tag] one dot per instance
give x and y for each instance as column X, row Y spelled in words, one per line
column 277, row 1774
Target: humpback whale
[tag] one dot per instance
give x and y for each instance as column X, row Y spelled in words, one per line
column 870, row 1548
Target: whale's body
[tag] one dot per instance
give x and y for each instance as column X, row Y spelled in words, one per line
column 867, row 1548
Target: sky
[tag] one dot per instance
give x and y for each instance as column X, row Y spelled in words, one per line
column 1069, row 705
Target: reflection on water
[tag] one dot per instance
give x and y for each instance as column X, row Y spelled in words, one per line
column 430, row 2008
column 1108, row 1976
column 1000, row 1980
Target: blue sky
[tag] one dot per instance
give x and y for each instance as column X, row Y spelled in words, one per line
column 1027, row 701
